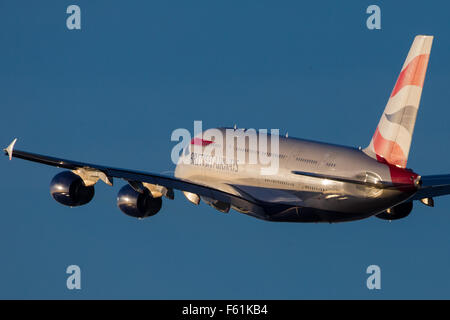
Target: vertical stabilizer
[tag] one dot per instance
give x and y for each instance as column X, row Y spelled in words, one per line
column 392, row 138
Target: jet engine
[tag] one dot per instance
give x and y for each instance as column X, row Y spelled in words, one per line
column 138, row 204
column 398, row 212
column 69, row 189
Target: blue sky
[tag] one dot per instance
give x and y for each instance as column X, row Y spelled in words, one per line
column 113, row 92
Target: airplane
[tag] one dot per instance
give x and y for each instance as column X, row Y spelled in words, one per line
column 315, row 181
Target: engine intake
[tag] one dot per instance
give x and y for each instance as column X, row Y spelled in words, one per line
column 398, row 212
column 69, row 189
column 137, row 204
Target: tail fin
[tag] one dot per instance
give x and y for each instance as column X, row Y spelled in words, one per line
column 392, row 138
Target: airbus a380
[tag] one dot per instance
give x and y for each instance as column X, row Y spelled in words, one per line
column 315, row 181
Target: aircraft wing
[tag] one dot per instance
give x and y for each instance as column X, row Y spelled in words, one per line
column 243, row 202
column 433, row 186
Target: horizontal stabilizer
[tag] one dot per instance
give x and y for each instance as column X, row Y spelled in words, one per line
column 433, row 186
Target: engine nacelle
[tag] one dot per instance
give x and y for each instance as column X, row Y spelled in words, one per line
column 69, row 189
column 398, row 212
column 137, row 204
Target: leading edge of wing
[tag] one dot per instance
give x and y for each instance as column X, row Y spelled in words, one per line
column 152, row 178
